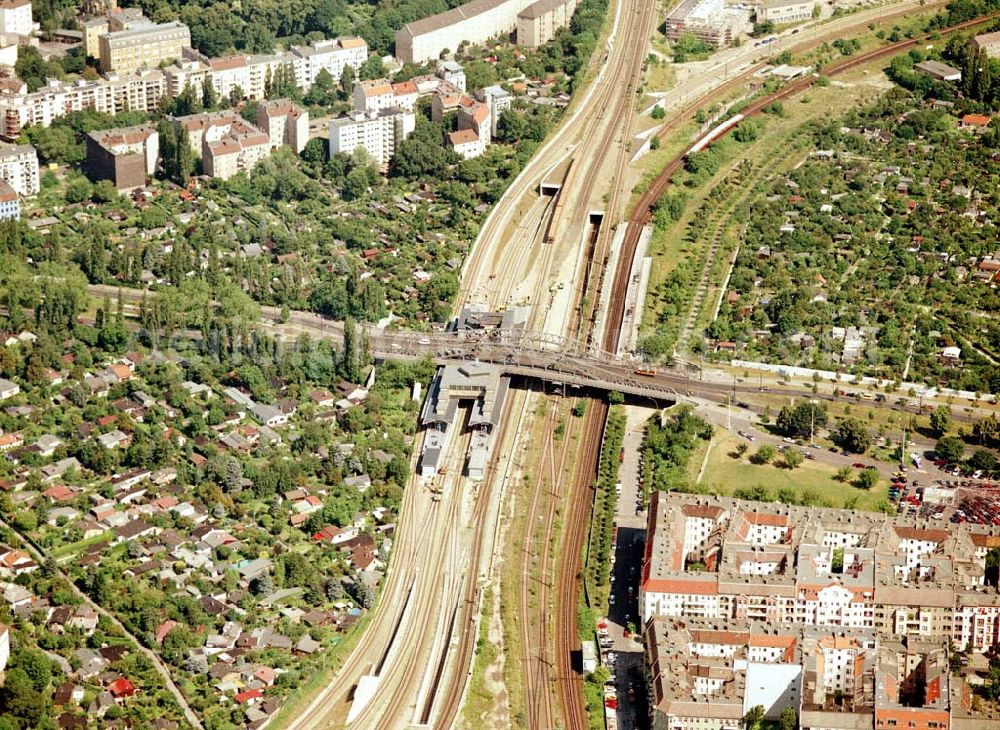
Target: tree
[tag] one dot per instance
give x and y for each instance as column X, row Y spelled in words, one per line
column 793, row 459
column 347, row 81
column 355, row 185
column 421, row 154
column 104, row 192
column 741, row 449
column 789, row 720
column 754, row 717
column 843, row 474
column 984, row 460
column 233, row 480
column 987, row 430
column 168, row 147
column 209, row 97
column 78, row 189
column 185, row 157
column 940, row 420
column 19, row 699
column 867, row 479
column 802, row 420
column 852, row 435
column 950, row 448
column 187, row 102
column 764, row 454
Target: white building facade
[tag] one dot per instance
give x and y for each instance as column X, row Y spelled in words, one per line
column 379, row 133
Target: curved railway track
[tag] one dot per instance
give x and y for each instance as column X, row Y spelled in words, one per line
column 596, row 415
column 642, row 212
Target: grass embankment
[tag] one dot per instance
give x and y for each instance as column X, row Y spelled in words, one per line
column 597, row 567
column 479, row 700
column 597, row 558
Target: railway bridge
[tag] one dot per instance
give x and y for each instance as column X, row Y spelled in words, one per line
column 534, row 355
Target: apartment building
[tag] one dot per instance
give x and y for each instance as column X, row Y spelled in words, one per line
column 706, row 675
column 466, row 143
column 10, row 203
column 247, row 76
column 143, row 89
column 377, row 132
column 126, row 156
column 498, row 100
column 15, row 17
column 783, row 11
column 332, row 56
column 284, row 123
column 474, row 22
column 406, row 94
column 114, row 94
column 226, row 143
column 722, row 559
column 538, row 23
column 143, row 46
column 19, row 168
column 473, row 118
column 114, row 20
column 373, row 95
column 453, row 73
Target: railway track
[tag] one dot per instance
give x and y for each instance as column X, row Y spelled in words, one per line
column 642, row 212
column 569, row 684
column 688, row 110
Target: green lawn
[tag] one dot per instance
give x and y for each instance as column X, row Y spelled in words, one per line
column 724, row 473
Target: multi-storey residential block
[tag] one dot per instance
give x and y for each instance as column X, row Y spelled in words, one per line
column 331, row 56
column 19, row 168
column 538, row 23
column 226, row 142
column 15, row 17
column 125, row 156
column 466, row 143
column 113, row 20
column 10, row 203
column 913, row 685
column 706, row 675
column 284, row 123
column 473, row 116
column 377, row 132
column 140, row 91
column 143, row 46
column 474, row 22
column 4, row 646
column 710, row 21
column 453, row 73
column 405, row 95
column 245, row 76
column 989, row 42
column 723, row 559
column 498, row 100
column 374, row 95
